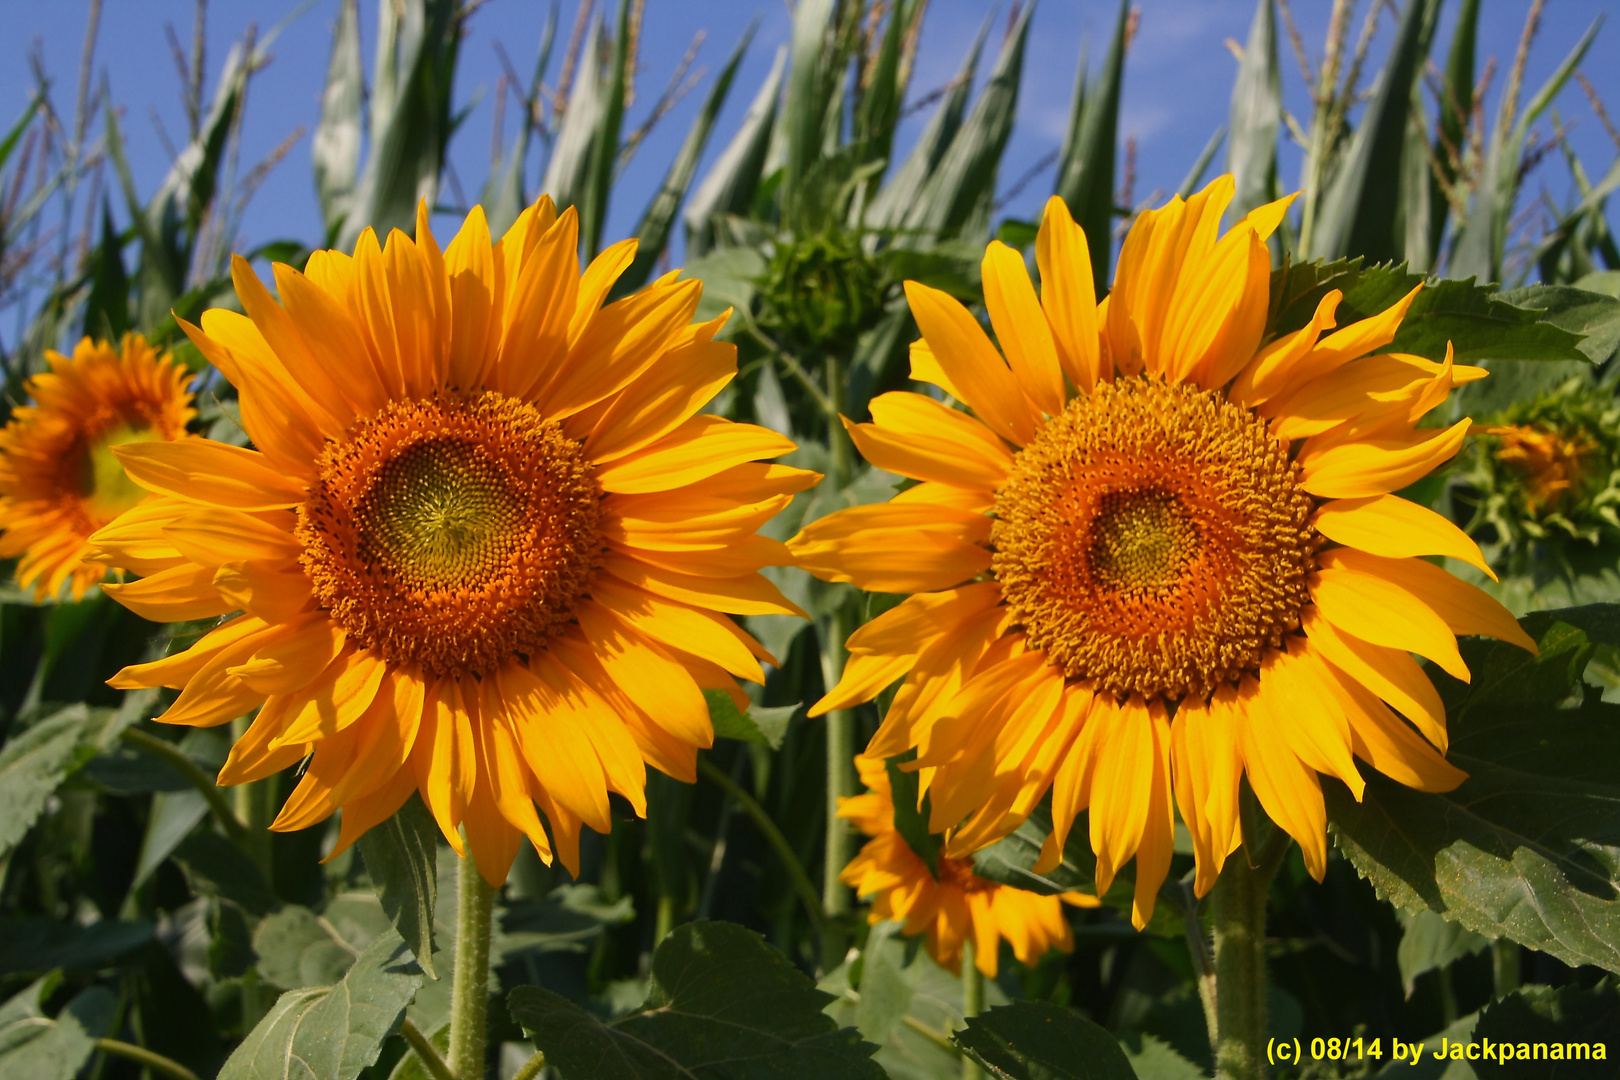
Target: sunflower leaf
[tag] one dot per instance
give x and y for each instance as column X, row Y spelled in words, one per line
column 1525, row 849
column 761, row 725
column 32, row 764
column 910, row 815
column 721, row 1002
column 1557, row 1017
column 43, row 1049
column 1480, row 326
column 1036, row 1040
column 401, row 856
column 332, row 1032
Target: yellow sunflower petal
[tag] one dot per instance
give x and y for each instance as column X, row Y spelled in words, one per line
column 1390, row 673
column 1465, row 608
column 1375, row 609
column 1393, row 527
column 209, row 472
column 1068, row 294
column 971, row 363
column 1355, row 470
column 1021, row 327
column 177, row 595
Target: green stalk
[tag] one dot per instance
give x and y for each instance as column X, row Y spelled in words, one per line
column 426, row 1052
column 773, row 836
column 154, row 1062
column 1238, row 906
column 176, row 759
column 254, row 804
column 836, row 902
column 469, row 986
column 1505, row 966
column 972, row 1002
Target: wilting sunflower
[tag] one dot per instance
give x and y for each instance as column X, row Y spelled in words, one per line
column 59, row 479
column 484, row 543
column 1162, row 554
column 953, row 904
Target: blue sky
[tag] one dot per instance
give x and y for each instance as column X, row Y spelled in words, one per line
column 1177, row 88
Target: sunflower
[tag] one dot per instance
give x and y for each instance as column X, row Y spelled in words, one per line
column 59, row 478
column 1162, row 554
column 951, row 902
column 485, row 544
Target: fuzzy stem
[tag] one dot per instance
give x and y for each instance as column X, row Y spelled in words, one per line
column 469, row 986
column 972, row 1002
column 1505, row 966
column 1238, row 906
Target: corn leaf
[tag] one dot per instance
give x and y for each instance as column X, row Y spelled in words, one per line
column 812, row 75
column 652, row 234
column 605, row 140
column 568, row 169
column 1456, row 106
column 1251, row 152
column 1086, row 181
column 336, row 147
column 732, row 180
column 1355, row 216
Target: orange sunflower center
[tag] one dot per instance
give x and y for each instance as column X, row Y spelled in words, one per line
column 454, row 533
column 959, row 872
column 1154, row 539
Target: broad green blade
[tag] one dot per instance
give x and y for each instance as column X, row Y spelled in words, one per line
column 966, row 176
column 503, row 197
column 567, row 170
column 408, row 148
column 1415, row 210
column 336, row 147
column 878, row 113
column 899, row 194
column 1355, row 217
column 729, row 186
column 652, row 234
column 1195, row 175
column 1456, row 106
column 1484, row 234
column 1251, row 153
column 811, row 77
column 1086, row 183
column 605, row 140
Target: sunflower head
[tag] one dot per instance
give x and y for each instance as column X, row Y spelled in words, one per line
column 950, row 904
column 486, row 544
column 60, row 479
column 1160, row 550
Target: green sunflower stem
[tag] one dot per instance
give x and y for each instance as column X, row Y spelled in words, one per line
column 469, row 985
column 835, row 895
column 972, row 1002
column 255, row 808
column 1238, row 907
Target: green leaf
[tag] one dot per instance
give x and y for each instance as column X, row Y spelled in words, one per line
column 400, row 857
column 731, row 182
column 38, row 1048
column 1152, row 1058
column 335, row 150
column 1035, row 1040
column 812, row 75
column 1593, row 315
column 910, row 816
column 966, row 175
column 760, row 725
column 568, row 168
column 32, row 764
column 1256, row 114
column 652, row 234
column 604, row 153
column 1480, row 327
column 721, row 1004
column 216, row 867
column 1429, row 943
column 1572, row 1018
column 29, row 946
column 1525, row 848
column 904, row 1002
column 1356, row 213
column 332, row 1032
column 1086, row 177
column 899, row 193
column 410, row 117
column 1456, row 107
column 298, row 948
column 1297, row 288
